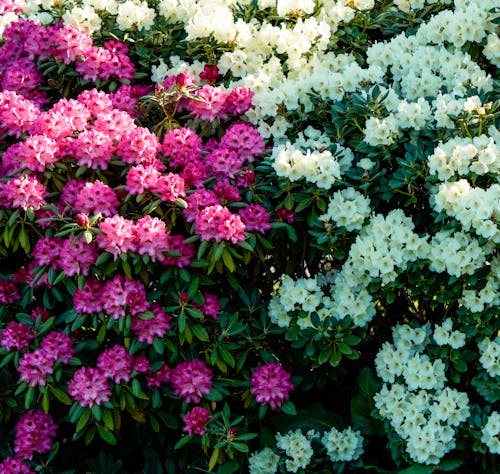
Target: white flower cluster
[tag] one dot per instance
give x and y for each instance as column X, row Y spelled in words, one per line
column 264, row 461
column 346, row 445
column 462, row 156
column 444, row 335
column 319, row 167
column 491, row 433
column 303, row 294
column 489, row 295
column 474, row 208
column 492, row 49
column 457, row 253
column 490, row 356
column 347, row 208
column 297, row 447
column 414, row 398
column 384, row 247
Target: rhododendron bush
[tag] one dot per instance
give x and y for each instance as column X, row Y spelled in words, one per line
column 254, row 236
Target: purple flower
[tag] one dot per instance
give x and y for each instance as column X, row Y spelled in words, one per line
column 34, row 432
column 89, row 387
column 196, row 421
column 270, row 384
column 191, row 380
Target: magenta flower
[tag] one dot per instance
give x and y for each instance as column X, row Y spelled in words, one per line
column 116, row 363
column 191, row 380
column 89, row 387
column 119, row 235
column 162, row 375
column 34, row 432
column 8, row 291
column 219, row 223
column 196, row 421
column 270, row 384
column 12, row 465
column 147, row 329
column 35, row 366
column 255, row 217
column 58, row 346
column 16, row 336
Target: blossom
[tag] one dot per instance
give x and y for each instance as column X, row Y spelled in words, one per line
column 35, row 366
column 270, row 384
column 16, row 336
column 196, row 421
column 34, row 432
column 162, row 375
column 89, row 387
column 25, row 193
column 58, row 346
column 119, row 235
column 8, row 291
column 211, row 103
column 191, row 380
column 147, row 329
column 255, row 217
column 12, row 465
column 115, row 363
column 97, row 197
column 217, row 222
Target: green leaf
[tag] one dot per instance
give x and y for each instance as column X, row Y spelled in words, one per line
column 228, row 260
column 289, row 408
column 107, row 436
column 83, row 419
column 200, row 332
column 107, row 418
column 182, row 442
column 46, row 401
column 417, row 469
column 239, row 446
column 61, row 395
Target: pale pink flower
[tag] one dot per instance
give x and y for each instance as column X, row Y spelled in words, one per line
column 169, row 187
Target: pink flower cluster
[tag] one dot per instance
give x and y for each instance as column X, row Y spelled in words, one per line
column 117, row 296
column 35, row 366
column 191, row 380
column 72, row 255
column 270, row 384
column 146, row 236
column 16, row 336
column 8, row 291
column 34, row 433
column 11, row 465
column 89, row 387
column 116, row 363
column 219, row 223
column 195, row 421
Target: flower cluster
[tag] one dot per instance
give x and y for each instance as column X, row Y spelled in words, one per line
column 421, row 409
column 346, row 445
column 270, row 384
column 34, row 433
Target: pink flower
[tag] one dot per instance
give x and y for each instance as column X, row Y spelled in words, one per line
column 196, row 421
column 71, row 43
column 210, row 73
column 217, row 222
column 34, row 432
column 116, row 363
column 92, row 149
column 255, row 217
column 78, row 256
column 89, row 299
column 162, row 375
column 16, row 113
column 244, row 139
column 142, row 178
column 147, row 329
column 97, row 197
column 176, row 244
column 12, row 465
column 270, row 384
column 8, row 291
column 35, row 366
column 58, row 346
column 114, row 296
column 16, row 336
column 89, row 387
column 191, row 380
column 97, row 102
column 224, row 162
column 211, row 306
column 119, row 235
column 226, row 192
column 141, row 364
column 200, row 199
column 181, row 146
column 138, row 145
column 152, row 235
column 25, row 193
column 48, row 251
column 238, row 101
column 213, row 99
column 169, row 187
